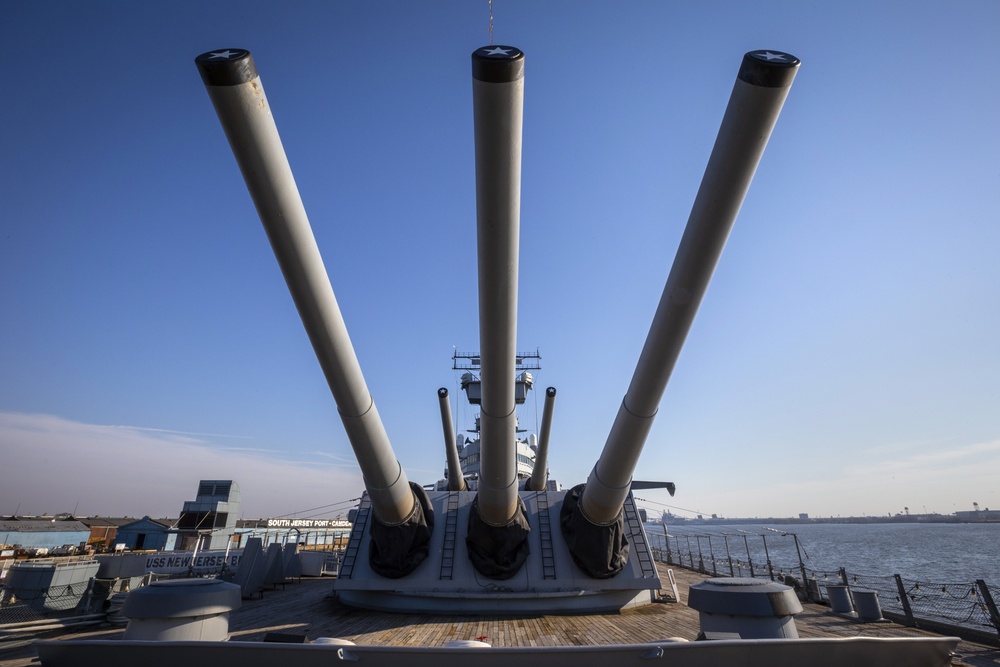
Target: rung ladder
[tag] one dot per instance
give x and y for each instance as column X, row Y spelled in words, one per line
column 545, row 535
column 354, row 543
column 450, row 531
column 637, row 540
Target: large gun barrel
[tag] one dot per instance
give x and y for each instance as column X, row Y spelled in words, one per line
column 231, row 80
column 456, row 480
column 758, row 95
column 498, row 95
column 539, row 475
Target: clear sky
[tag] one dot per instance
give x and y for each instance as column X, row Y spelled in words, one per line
column 846, row 358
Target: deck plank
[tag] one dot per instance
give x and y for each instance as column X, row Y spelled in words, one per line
column 308, row 608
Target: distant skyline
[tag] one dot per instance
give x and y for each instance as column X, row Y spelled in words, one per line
column 844, row 360
column 142, row 471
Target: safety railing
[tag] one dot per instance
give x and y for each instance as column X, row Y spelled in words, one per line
column 948, row 606
column 27, row 609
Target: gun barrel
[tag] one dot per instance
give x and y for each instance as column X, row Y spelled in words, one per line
column 540, row 473
column 235, row 89
column 456, row 480
column 498, row 95
column 758, row 95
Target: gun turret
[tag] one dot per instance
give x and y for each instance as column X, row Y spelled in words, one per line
column 758, row 95
column 231, row 79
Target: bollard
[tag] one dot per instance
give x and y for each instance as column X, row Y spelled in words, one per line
column 867, row 605
column 840, row 599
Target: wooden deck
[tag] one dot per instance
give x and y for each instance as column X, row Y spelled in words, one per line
column 306, row 608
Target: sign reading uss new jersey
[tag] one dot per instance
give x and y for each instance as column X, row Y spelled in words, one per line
column 173, row 562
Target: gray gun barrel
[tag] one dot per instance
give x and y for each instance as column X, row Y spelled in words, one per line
column 760, row 90
column 231, row 80
column 456, row 480
column 540, row 472
column 498, row 96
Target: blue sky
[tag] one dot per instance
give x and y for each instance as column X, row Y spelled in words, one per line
column 844, row 361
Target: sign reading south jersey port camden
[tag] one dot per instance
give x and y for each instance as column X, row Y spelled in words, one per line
column 308, row 523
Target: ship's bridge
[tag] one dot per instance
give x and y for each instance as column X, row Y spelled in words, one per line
column 469, row 449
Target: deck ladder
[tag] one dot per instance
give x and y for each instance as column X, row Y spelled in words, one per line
column 354, row 543
column 545, row 535
column 450, row 530
column 637, row 539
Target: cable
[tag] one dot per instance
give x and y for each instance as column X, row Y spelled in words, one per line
column 313, row 509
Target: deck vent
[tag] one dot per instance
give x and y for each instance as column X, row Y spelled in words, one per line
column 750, row 608
column 181, row 610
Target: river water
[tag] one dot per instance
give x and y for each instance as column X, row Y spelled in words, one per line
column 930, row 552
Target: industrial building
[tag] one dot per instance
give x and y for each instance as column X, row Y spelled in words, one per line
column 45, row 533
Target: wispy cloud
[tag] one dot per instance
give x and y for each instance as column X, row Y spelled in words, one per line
column 943, row 479
column 937, row 460
column 344, row 460
column 255, row 450
column 53, row 464
column 148, row 429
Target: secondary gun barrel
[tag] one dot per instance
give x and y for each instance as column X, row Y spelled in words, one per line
column 235, row 89
column 761, row 87
column 498, row 100
column 456, row 480
column 539, row 474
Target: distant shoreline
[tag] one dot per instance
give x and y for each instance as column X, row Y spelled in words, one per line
column 908, row 519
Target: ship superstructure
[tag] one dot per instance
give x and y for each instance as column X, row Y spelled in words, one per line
column 468, row 443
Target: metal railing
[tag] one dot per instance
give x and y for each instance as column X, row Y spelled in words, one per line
column 26, row 613
column 949, row 606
